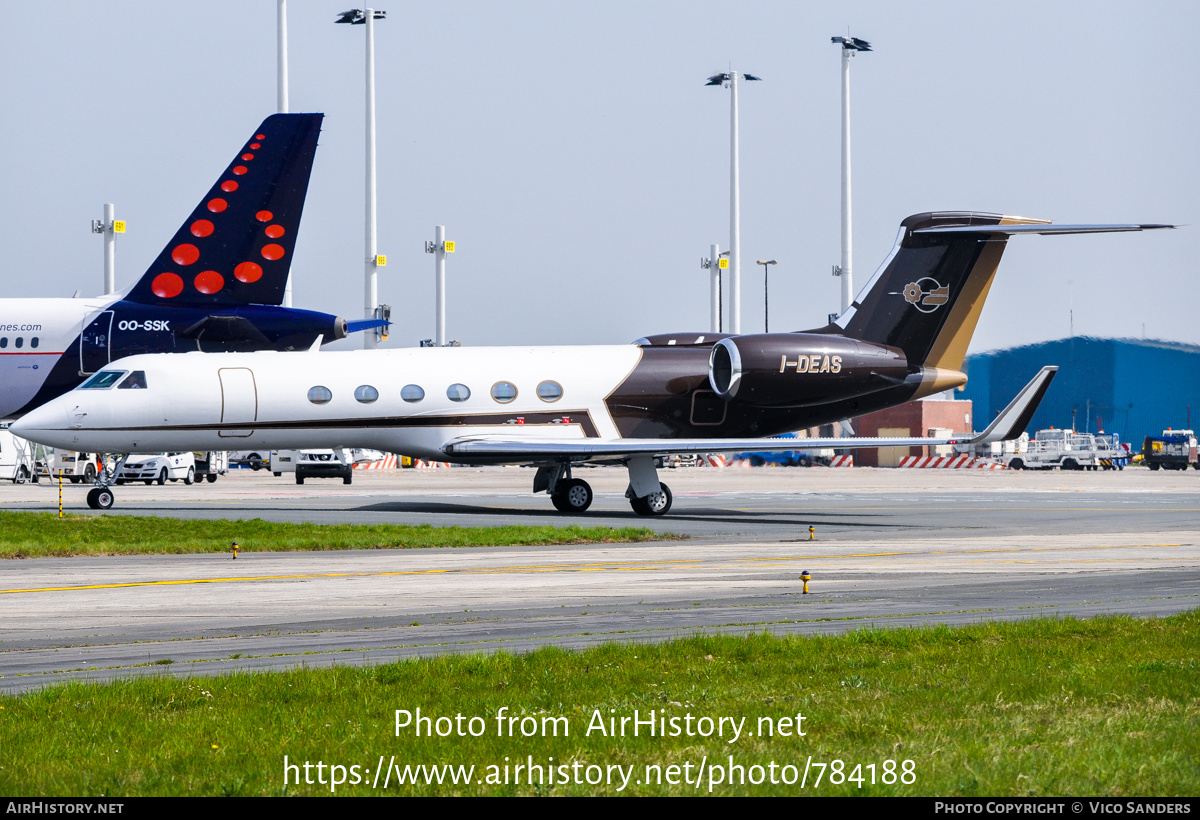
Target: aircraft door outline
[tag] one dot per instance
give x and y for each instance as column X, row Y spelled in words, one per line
column 239, row 401
column 95, row 344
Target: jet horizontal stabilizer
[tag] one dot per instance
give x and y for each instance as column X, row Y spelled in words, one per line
column 226, row 329
column 1009, row 230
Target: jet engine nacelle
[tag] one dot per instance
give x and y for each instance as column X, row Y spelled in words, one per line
column 798, row 369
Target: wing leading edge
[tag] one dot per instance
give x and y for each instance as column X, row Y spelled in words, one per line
column 1009, row 424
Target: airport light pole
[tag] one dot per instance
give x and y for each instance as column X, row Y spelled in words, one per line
column 714, row 264
column 281, row 97
column 439, row 247
column 373, row 260
column 730, row 80
column 850, row 46
column 110, row 226
column 766, row 263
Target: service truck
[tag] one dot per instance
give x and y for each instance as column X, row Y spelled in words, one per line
column 1173, row 450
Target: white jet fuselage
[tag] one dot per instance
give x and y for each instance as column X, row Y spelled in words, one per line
column 223, row 401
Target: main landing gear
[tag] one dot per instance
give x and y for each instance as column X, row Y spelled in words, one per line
column 101, row 496
column 646, row 494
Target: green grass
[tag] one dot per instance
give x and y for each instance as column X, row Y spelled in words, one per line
column 1108, row 706
column 39, row 535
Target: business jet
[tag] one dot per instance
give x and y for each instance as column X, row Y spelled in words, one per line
column 217, row 285
column 904, row 338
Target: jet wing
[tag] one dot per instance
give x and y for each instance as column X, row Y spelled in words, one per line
column 1009, row 424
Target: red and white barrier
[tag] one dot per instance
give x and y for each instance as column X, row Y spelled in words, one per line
column 385, row 463
column 429, row 465
column 713, row 460
column 961, row 462
column 842, row 461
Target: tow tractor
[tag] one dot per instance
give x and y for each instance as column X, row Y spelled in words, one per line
column 1173, row 450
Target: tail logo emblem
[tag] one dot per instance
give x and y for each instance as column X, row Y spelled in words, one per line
column 926, row 300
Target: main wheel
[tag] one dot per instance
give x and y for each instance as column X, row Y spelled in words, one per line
column 162, row 476
column 190, row 478
column 657, row 503
column 574, row 496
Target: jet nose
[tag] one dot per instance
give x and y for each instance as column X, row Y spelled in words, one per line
column 35, row 424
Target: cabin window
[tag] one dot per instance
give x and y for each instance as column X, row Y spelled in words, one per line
column 365, row 393
column 549, row 391
column 411, row 393
column 20, row 341
column 134, row 381
column 320, row 395
column 3, row 341
column 103, row 380
column 504, row 392
column 33, row 342
column 458, row 392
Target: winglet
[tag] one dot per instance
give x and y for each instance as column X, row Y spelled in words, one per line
column 1013, row 419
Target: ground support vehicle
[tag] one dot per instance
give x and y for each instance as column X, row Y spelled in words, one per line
column 247, row 458
column 1065, row 449
column 17, row 462
column 313, row 464
column 210, row 465
column 1173, row 450
column 1112, row 453
column 160, row 467
column 75, row 467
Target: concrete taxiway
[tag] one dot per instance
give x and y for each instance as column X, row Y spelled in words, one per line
column 893, row 548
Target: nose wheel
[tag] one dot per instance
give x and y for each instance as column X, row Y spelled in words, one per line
column 100, row 498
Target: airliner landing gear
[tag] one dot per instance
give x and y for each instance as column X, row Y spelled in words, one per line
column 646, row 494
column 569, row 495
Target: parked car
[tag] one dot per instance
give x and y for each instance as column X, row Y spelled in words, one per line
column 160, row 467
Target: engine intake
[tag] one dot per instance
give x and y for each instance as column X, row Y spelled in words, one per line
column 801, row 369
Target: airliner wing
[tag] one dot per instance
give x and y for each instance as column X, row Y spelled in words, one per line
column 1009, row 424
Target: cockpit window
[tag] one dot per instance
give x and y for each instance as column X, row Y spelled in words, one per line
column 134, row 381
column 103, row 380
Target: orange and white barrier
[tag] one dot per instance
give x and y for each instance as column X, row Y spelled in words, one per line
column 961, row 462
column 385, row 463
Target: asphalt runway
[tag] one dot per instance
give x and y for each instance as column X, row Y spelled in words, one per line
column 892, row 548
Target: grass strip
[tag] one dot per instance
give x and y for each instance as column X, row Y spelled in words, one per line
column 41, row 535
column 1062, row 707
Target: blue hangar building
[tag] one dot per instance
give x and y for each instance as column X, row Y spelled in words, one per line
column 1133, row 387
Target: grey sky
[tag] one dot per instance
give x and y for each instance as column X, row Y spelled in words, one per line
column 581, row 165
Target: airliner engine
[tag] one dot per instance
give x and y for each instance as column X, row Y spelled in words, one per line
column 799, row 369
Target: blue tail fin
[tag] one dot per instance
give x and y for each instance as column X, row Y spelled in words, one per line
column 236, row 247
